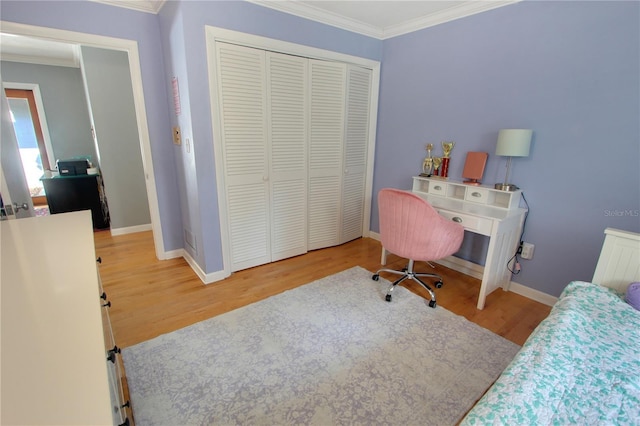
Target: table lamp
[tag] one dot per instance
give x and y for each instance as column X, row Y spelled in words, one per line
column 512, row 143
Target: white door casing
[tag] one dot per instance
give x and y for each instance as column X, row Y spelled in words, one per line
column 219, row 35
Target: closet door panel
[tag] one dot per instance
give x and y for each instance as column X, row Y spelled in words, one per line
column 244, row 126
column 287, row 101
column 355, row 152
column 325, row 152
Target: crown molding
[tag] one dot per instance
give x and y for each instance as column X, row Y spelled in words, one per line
column 451, row 14
column 320, row 15
column 148, row 6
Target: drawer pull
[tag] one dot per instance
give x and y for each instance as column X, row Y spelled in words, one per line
column 476, row 194
column 437, row 187
column 457, row 219
column 112, row 354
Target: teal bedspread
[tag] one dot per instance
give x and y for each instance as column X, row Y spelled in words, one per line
column 581, row 365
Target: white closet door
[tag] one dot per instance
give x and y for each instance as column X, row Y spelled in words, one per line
column 327, row 96
column 355, row 152
column 244, row 125
column 287, row 103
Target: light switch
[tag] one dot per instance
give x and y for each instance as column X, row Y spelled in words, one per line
column 176, row 135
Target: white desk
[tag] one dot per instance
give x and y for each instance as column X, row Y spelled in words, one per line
column 481, row 210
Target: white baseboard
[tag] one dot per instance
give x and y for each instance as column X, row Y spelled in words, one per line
column 533, row 294
column 173, row 254
column 204, row 277
column 476, row 271
column 130, row 229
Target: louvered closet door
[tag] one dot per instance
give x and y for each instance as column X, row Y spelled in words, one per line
column 327, row 81
column 287, row 101
column 355, row 152
column 243, row 108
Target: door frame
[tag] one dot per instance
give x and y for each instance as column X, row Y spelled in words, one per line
column 216, row 34
column 131, row 48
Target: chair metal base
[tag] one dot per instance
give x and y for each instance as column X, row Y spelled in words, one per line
column 409, row 273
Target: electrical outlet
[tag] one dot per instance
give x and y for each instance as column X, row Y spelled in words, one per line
column 176, row 135
column 527, row 250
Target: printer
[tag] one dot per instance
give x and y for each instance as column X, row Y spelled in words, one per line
column 72, row 167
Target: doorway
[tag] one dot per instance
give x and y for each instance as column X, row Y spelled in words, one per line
column 131, row 48
column 31, row 144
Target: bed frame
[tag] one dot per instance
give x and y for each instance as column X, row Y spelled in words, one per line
column 619, row 262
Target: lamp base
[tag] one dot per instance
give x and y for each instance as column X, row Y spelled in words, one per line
column 506, row 187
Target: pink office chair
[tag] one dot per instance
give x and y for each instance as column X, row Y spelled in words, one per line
column 411, row 228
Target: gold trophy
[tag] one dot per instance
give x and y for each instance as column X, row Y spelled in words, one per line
column 436, row 165
column 427, row 164
column 446, row 149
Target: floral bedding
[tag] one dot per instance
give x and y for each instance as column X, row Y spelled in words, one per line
column 581, row 365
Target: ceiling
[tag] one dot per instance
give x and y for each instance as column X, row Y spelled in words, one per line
column 375, row 18
column 382, row 18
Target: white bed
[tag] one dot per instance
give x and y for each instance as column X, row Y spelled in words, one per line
column 581, row 365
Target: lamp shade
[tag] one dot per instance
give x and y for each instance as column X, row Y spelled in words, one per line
column 514, row 142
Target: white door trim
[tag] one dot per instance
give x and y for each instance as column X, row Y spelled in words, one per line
column 131, row 47
column 215, row 34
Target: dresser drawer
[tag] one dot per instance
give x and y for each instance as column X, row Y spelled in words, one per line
column 477, row 195
column 479, row 225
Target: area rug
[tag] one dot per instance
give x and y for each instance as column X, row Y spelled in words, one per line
column 331, row 352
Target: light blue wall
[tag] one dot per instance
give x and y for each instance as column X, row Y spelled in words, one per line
column 568, row 70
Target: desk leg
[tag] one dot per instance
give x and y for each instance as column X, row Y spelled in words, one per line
column 502, row 245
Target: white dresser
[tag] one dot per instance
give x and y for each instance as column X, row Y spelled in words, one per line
column 54, row 326
column 482, row 210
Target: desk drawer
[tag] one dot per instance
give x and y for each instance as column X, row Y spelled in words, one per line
column 438, row 188
column 479, row 225
column 477, row 195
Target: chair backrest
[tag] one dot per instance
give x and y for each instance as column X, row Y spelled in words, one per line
column 411, row 228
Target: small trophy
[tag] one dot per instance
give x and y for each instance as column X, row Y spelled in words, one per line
column 437, row 161
column 427, row 164
column 446, row 149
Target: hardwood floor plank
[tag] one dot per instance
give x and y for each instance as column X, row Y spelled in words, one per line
column 151, row 297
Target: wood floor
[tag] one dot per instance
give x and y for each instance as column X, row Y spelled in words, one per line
column 151, row 297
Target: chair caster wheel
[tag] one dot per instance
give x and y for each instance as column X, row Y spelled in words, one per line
column 439, row 284
column 375, row 277
column 432, row 303
column 388, row 298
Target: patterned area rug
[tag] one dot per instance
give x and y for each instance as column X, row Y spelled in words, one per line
column 331, row 352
